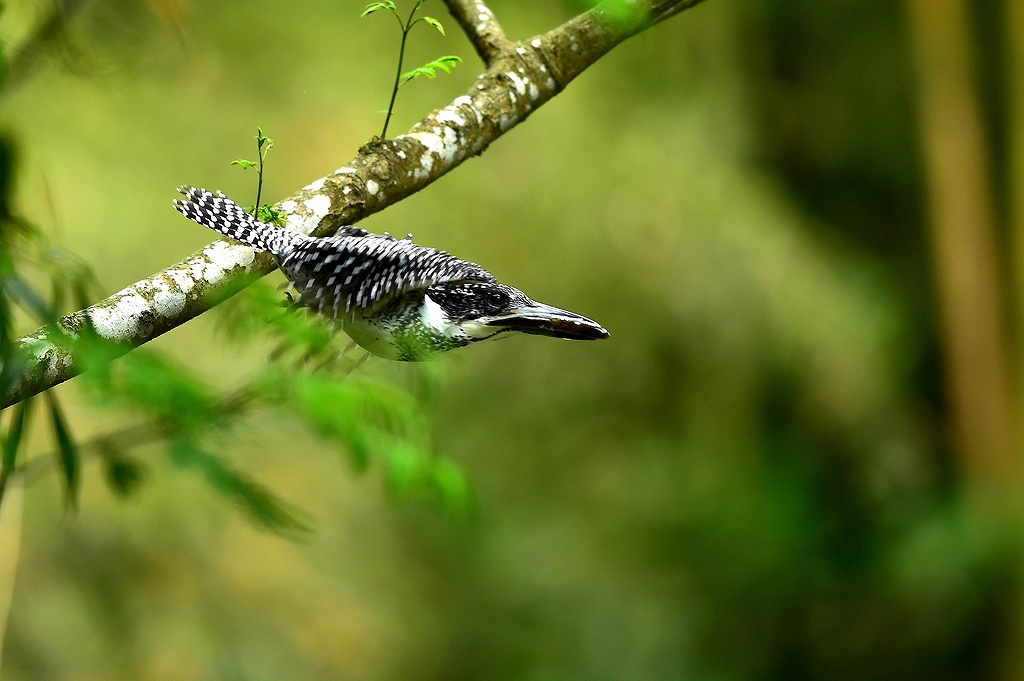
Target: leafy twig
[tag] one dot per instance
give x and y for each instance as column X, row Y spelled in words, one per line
column 264, row 144
column 445, row 63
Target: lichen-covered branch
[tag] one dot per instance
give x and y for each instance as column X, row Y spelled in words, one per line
column 518, row 80
column 480, row 26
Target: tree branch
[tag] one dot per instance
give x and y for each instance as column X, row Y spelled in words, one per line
column 517, row 82
column 482, row 29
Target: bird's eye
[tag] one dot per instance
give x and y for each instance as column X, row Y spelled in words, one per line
column 496, row 299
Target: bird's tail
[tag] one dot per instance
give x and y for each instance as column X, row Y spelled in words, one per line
column 220, row 213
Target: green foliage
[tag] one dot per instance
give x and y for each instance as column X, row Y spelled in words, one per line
column 149, row 383
column 369, row 417
column 257, row 501
column 11, row 443
column 26, row 256
column 430, row 69
column 67, row 451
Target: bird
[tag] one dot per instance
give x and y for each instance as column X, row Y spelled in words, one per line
column 396, row 299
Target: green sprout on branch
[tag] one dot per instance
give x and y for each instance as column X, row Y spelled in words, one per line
column 264, row 213
column 430, row 69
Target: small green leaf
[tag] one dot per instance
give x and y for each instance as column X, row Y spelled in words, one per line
column 451, row 486
column 124, row 474
column 425, row 70
column 67, row 451
column 435, row 23
column 373, row 7
column 245, row 164
column 406, row 465
column 447, row 62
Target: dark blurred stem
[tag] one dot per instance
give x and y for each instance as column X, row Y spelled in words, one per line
column 10, row 549
column 128, row 437
column 962, row 222
column 24, row 59
column 259, row 185
column 135, row 435
column 1014, row 69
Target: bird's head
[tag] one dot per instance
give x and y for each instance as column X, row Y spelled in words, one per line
column 478, row 310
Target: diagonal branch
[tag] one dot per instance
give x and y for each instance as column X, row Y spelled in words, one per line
column 482, row 29
column 386, row 171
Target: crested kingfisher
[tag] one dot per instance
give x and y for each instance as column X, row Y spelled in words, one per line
column 394, row 298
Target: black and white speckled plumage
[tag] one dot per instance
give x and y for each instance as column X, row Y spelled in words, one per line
column 339, row 275
column 394, row 298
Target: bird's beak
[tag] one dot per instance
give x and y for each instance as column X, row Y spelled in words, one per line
column 544, row 320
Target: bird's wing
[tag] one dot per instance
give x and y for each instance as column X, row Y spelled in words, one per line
column 359, row 270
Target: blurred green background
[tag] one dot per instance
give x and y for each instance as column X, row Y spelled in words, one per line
column 759, row 476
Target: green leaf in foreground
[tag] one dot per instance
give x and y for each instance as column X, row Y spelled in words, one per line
column 67, row 451
column 258, row 502
column 12, row 443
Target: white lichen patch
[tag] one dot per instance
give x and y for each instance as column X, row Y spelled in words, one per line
column 426, row 165
column 297, row 222
column 119, row 320
column 519, row 83
column 550, row 84
column 535, row 42
column 520, row 50
column 228, row 256
column 450, row 115
column 443, row 147
column 462, row 100
column 221, row 257
column 372, row 187
column 318, row 206
column 345, row 170
column 315, row 186
column 166, row 299
column 290, row 206
column 182, row 278
column 534, row 92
